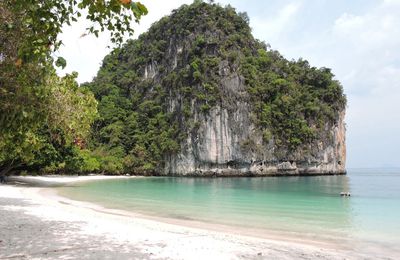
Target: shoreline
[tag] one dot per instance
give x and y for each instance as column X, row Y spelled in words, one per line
column 119, row 225
column 192, row 223
column 64, row 179
column 60, row 180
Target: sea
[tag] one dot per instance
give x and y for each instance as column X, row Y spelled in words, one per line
column 309, row 207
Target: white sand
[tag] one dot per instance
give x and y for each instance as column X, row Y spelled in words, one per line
column 88, row 231
column 55, row 179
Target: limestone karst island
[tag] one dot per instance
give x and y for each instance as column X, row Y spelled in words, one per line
column 198, row 95
column 196, row 139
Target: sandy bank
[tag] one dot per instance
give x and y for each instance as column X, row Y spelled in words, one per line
column 35, row 223
column 55, row 180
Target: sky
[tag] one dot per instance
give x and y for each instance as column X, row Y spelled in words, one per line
column 358, row 39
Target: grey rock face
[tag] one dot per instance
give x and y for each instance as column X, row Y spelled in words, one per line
column 227, row 143
column 216, row 149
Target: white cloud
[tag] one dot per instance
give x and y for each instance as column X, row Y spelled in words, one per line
column 368, row 58
column 369, row 46
column 377, row 29
column 278, row 24
column 392, row 2
column 347, row 23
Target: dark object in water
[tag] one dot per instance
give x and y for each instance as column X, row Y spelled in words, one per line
column 345, row 194
column 2, row 179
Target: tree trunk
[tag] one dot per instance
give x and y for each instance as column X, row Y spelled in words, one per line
column 5, row 171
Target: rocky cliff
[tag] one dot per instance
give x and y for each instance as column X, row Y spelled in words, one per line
column 216, row 149
column 198, row 95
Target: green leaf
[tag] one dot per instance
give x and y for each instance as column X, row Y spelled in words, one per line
column 61, row 62
column 136, row 10
column 142, row 8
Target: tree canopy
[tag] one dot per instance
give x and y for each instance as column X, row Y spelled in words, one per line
column 36, row 106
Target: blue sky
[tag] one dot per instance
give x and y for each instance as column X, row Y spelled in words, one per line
column 358, row 39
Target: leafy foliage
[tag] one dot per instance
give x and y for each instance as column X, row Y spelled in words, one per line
column 291, row 100
column 42, row 115
column 62, row 119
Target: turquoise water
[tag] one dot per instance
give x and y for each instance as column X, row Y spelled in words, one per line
column 306, row 206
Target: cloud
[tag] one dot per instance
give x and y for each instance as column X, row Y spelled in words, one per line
column 392, row 2
column 368, row 62
column 370, row 31
column 347, row 23
column 369, row 44
column 275, row 26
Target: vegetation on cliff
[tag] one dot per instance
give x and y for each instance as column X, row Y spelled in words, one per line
column 186, row 55
column 292, row 101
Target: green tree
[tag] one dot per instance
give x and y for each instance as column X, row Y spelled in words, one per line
column 32, row 97
column 64, row 117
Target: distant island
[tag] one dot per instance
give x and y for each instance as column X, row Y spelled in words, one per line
column 198, row 95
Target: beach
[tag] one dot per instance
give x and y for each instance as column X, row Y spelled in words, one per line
column 36, row 223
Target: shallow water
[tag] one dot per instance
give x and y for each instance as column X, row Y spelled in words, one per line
column 306, row 206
